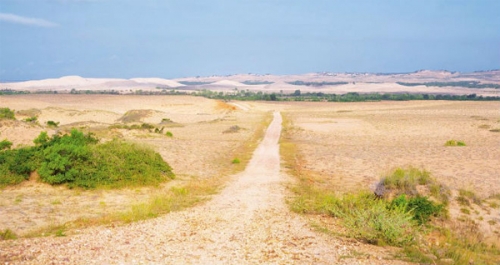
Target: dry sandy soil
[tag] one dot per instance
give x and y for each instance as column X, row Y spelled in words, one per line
column 348, row 144
column 351, row 145
column 248, row 223
column 198, row 148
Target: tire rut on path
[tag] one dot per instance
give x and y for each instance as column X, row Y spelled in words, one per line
column 247, row 223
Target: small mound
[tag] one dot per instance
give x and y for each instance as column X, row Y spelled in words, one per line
column 135, row 116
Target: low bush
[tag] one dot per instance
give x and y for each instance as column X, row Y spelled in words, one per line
column 421, row 208
column 169, row 134
column 371, row 219
column 76, row 159
column 52, row 124
column 16, row 165
column 5, row 144
column 6, row 113
column 33, row 119
column 236, row 161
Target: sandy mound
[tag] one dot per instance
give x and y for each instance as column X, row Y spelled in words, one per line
column 158, row 81
column 66, row 81
column 228, row 83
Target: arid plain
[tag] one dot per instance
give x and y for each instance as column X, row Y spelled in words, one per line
column 347, row 146
column 202, row 147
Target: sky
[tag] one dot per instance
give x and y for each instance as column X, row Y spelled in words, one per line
column 181, row 38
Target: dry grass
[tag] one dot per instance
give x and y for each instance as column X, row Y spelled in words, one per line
column 333, row 153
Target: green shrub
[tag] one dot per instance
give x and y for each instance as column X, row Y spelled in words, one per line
column 374, row 220
column 126, row 164
column 16, row 165
column 33, row 119
column 236, row 161
column 5, row 144
column 147, row 126
column 159, row 130
column 404, row 181
column 78, row 161
column 454, row 143
column 422, row 209
column 67, row 158
column 6, row 113
column 52, row 124
column 169, row 134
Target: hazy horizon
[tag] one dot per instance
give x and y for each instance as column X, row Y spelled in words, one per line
column 175, row 39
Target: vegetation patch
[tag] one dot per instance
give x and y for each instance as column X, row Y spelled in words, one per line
column 316, row 84
column 32, row 119
column 468, row 84
column 469, row 195
column 7, row 114
column 7, row 234
column 52, row 124
column 454, row 143
column 166, row 121
column 5, row 144
column 495, row 130
column 256, row 82
column 77, row 160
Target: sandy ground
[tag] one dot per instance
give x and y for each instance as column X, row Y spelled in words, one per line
column 248, row 223
column 198, row 149
column 351, row 145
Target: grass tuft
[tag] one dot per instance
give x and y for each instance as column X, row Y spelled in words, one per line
column 454, row 143
column 7, row 234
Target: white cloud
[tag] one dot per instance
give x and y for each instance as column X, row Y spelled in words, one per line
column 26, row 20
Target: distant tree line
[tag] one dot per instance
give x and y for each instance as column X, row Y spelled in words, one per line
column 297, row 95
column 256, row 82
column 12, row 92
column 194, row 83
column 302, row 83
column 468, row 84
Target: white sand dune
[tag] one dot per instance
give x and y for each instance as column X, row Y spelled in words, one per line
column 65, row 81
column 228, row 83
column 158, row 81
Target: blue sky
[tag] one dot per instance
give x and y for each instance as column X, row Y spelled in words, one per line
column 178, row 38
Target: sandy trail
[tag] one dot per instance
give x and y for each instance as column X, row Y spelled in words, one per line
column 247, row 223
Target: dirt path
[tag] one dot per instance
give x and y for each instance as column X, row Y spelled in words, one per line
column 248, row 223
